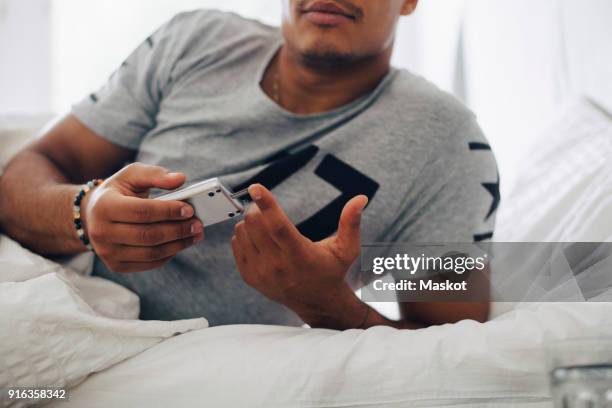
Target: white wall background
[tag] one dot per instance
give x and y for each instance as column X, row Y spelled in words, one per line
column 525, row 59
column 25, row 56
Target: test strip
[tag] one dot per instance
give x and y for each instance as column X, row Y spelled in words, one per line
column 240, row 194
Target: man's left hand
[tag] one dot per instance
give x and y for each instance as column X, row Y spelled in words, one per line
column 285, row 266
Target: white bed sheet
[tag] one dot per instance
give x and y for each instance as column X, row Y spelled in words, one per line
column 500, row 363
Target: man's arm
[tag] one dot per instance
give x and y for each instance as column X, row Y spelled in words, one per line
column 129, row 232
column 39, row 185
column 310, row 278
column 474, row 304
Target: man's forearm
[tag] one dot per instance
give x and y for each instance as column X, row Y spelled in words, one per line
column 369, row 318
column 36, row 202
column 349, row 312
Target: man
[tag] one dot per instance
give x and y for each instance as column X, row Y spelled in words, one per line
column 314, row 113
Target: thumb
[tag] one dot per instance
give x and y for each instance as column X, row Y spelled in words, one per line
column 348, row 239
column 141, row 177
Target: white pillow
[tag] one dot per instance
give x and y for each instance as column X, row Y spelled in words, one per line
column 50, row 336
column 106, row 298
column 564, row 192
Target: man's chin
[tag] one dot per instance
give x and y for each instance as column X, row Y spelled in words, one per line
column 327, row 58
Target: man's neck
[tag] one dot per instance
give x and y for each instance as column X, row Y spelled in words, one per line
column 306, row 88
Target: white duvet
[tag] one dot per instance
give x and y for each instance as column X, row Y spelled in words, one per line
column 500, row 363
column 57, row 327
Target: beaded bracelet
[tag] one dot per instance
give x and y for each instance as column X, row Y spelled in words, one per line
column 78, row 199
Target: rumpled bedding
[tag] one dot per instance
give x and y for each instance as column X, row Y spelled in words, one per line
column 58, row 326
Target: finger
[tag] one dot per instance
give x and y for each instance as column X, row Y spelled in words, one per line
column 348, row 238
column 132, row 254
column 257, row 231
column 149, row 235
column 244, row 241
column 133, row 267
column 279, row 226
column 135, row 210
column 239, row 256
column 142, row 177
column 245, row 255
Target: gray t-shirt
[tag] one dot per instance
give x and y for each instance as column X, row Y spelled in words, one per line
column 189, row 99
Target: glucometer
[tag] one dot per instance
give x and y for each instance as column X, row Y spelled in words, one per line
column 212, row 201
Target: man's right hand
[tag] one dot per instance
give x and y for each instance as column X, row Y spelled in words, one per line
column 129, row 231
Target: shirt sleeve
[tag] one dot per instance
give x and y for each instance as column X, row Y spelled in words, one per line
column 455, row 202
column 460, row 195
column 125, row 109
